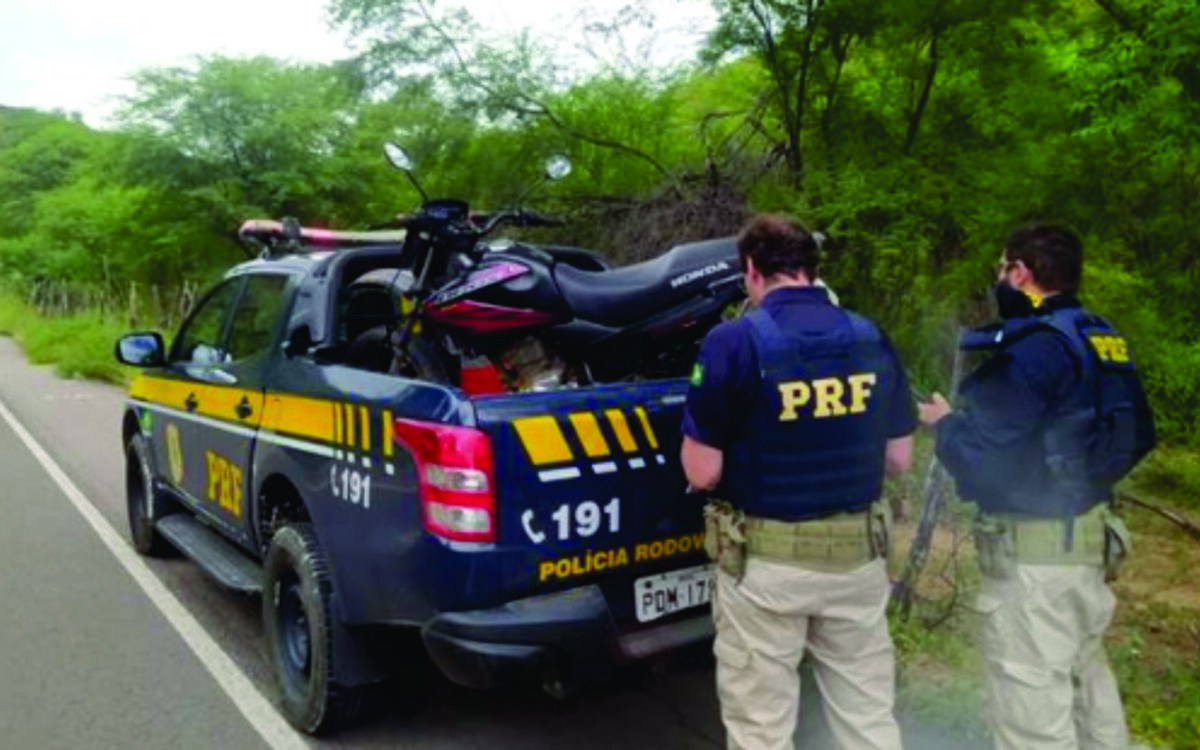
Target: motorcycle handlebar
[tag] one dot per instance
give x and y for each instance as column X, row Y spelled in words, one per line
column 486, row 222
column 521, row 218
column 534, row 219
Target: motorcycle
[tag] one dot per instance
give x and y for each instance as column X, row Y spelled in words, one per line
column 542, row 317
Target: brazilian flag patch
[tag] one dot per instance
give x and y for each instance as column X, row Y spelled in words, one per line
column 697, row 374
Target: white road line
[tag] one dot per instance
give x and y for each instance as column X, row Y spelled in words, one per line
column 259, row 711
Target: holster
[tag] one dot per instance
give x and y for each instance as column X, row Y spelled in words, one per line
column 879, row 527
column 1118, row 543
column 725, row 537
column 994, row 545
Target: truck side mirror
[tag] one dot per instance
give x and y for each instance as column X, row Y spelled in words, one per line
column 141, row 350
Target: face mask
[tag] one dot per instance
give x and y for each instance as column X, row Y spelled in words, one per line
column 1012, row 302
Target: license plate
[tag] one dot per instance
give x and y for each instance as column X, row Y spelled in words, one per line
column 660, row 595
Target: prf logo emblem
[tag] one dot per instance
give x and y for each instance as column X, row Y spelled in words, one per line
column 826, row 397
column 1111, row 349
column 174, row 454
column 224, row 483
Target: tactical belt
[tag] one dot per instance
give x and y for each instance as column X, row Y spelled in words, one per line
column 1042, row 541
column 840, row 542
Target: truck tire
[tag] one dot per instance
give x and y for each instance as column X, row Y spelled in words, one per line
column 298, row 622
column 144, row 504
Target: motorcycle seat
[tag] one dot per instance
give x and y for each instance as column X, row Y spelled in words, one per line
column 622, row 296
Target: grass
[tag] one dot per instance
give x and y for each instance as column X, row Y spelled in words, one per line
column 78, row 345
column 938, row 674
column 1170, row 472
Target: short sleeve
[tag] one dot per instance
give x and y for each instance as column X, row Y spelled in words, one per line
column 718, row 385
column 902, row 417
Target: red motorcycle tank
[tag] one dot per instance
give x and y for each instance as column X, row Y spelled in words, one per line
column 508, row 292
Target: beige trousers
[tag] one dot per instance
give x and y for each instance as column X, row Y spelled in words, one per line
column 764, row 625
column 1047, row 684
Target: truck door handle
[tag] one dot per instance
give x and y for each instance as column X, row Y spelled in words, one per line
column 243, row 409
column 191, row 404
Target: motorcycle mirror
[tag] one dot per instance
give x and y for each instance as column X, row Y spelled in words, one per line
column 400, row 159
column 398, row 156
column 558, row 167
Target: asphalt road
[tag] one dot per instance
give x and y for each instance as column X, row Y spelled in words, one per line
column 88, row 659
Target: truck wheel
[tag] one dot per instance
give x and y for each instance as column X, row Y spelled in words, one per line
column 297, row 619
column 144, row 504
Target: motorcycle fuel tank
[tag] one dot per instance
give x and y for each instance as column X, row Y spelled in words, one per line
column 504, row 293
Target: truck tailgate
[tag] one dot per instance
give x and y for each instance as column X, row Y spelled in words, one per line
column 589, row 490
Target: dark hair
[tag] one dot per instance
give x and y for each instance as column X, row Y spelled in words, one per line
column 1053, row 253
column 778, row 244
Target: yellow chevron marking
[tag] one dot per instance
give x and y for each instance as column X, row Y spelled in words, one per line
column 338, row 430
column 620, row 426
column 645, row 420
column 365, row 414
column 349, row 422
column 543, row 440
column 389, row 434
column 588, row 429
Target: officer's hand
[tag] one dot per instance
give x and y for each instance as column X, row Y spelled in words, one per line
column 934, row 410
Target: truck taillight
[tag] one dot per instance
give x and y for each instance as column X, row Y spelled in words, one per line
column 455, row 473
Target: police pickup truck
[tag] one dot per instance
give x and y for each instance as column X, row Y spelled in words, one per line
column 537, row 535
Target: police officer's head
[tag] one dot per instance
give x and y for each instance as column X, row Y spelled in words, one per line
column 776, row 250
column 1046, row 256
column 1039, row 260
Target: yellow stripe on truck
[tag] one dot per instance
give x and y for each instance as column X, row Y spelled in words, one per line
column 172, row 393
column 222, row 403
column 389, row 435
column 349, row 424
column 216, row 401
column 645, row 420
column 365, row 415
column 543, row 440
column 620, row 426
column 303, row 417
column 588, row 429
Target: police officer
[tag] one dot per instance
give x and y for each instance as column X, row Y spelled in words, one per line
column 794, row 413
column 1052, row 419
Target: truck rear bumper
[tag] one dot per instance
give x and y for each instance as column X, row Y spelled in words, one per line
column 543, row 636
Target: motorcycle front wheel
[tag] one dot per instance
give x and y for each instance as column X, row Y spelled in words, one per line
column 421, row 360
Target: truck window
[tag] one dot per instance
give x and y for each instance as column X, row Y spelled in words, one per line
column 199, row 340
column 257, row 315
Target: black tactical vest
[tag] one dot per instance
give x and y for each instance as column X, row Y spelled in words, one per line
column 816, row 439
column 1093, row 438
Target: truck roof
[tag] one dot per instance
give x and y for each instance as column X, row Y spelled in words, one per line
column 296, row 262
column 307, row 260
